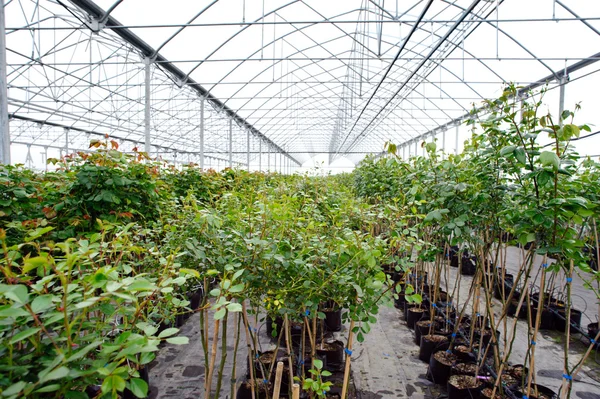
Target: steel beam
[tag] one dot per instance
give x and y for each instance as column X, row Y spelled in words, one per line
column 230, row 148
column 4, row 126
column 147, row 104
column 201, row 133
column 97, row 12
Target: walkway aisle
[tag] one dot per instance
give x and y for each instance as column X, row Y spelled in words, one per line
column 387, row 364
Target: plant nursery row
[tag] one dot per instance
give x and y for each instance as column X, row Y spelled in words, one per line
column 104, row 259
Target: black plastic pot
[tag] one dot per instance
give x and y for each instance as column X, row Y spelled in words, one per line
column 333, row 320
column 463, row 393
column 422, row 327
column 400, row 301
column 512, row 308
column 540, row 388
column 333, row 355
column 592, row 329
column 546, row 319
column 560, row 320
column 430, row 344
column 469, row 265
column 244, row 391
column 462, row 356
column 415, row 314
column 438, row 371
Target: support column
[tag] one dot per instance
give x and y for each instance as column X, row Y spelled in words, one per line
column 404, row 152
column 456, row 142
column 4, row 126
column 444, row 141
column 269, row 158
column 260, row 155
column 416, row 148
column 230, row 143
column 66, row 141
column 147, row 106
column 561, row 99
column 275, row 162
column 202, row 133
column 248, row 149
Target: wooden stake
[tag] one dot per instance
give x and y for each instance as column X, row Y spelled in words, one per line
column 278, row 373
column 348, row 359
column 250, row 351
column 538, row 317
column 213, row 357
column 295, row 391
column 566, row 385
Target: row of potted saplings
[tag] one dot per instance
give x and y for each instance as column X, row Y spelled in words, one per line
column 554, row 311
column 459, row 348
column 296, row 357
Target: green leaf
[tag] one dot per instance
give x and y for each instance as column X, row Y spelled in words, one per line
column 18, row 294
column 509, row 149
column 318, row 364
column 24, row 334
column 168, row 332
column 326, row 373
column 138, row 387
column 549, row 158
column 219, row 314
column 520, row 155
column 48, row 388
column 113, row 382
column 237, row 288
column 55, row 374
column 14, row 389
column 41, row 303
column 234, row 307
column 178, row 340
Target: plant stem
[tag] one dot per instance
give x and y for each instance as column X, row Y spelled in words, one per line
column 223, row 354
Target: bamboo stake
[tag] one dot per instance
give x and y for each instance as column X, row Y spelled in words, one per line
column 295, row 391
column 235, row 351
column 250, row 351
column 566, row 384
column 348, row 359
column 278, row 374
column 288, row 343
column 538, row 317
column 213, row 357
column 223, row 355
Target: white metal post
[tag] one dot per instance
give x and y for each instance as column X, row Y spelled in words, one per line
column 456, row 142
column 147, row 106
column 444, row 141
column 248, row 149
column 260, row 155
column 230, row 143
column 4, row 126
column 268, row 158
column 202, row 133
column 66, row 141
column 561, row 99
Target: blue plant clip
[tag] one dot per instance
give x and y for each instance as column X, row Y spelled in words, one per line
column 347, row 351
column 533, row 343
column 307, row 313
column 569, row 279
column 544, row 265
column 567, row 377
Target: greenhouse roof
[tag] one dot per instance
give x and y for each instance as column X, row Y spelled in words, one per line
column 232, row 82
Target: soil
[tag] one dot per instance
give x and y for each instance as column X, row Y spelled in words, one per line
column 436, row 338
column 466, row 369
column 509, row 380
column 267, row 357
column 416, row 310
column 445, row 358
column 462, row 348
column 516, row 371
column 487, row 393
column 464, row 381
column 328, row 346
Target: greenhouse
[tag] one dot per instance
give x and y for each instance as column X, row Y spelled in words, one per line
column 361, row 199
